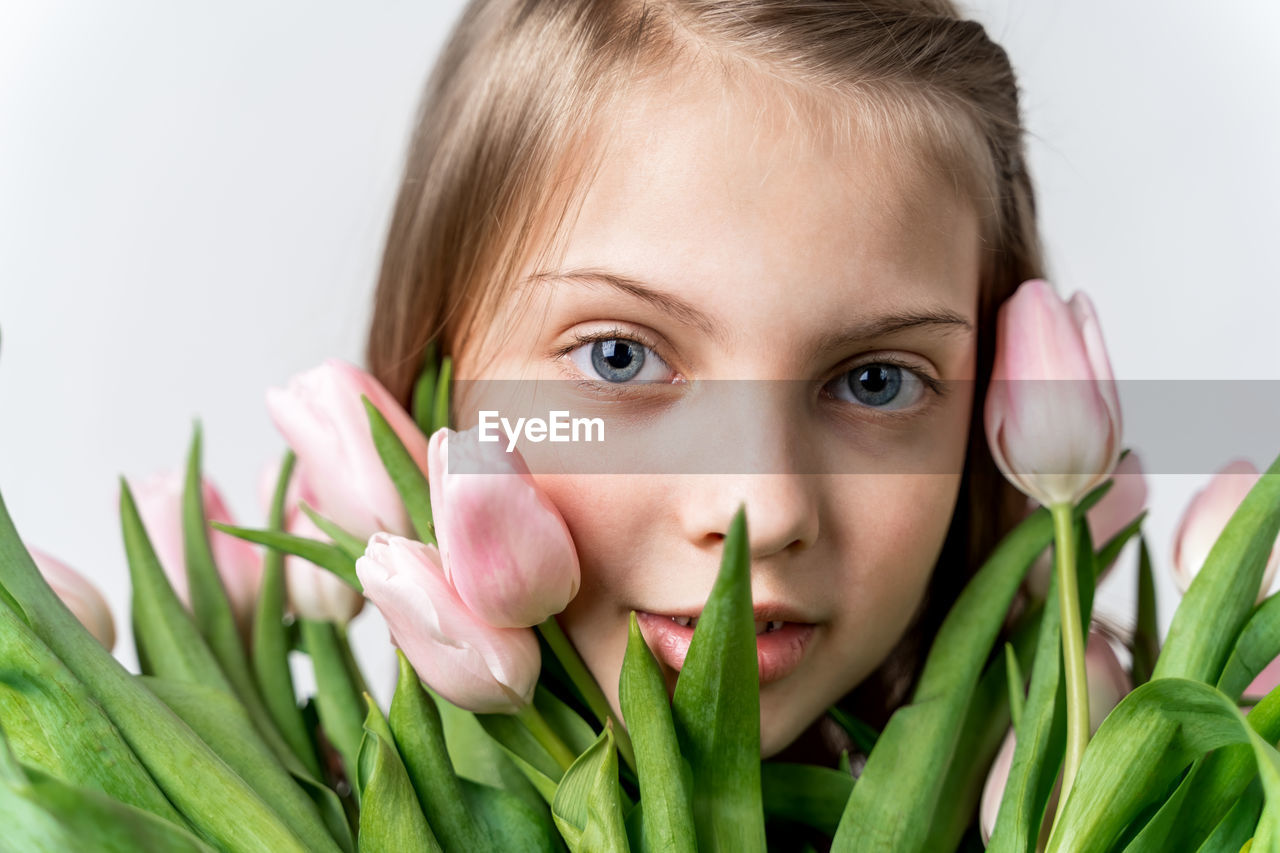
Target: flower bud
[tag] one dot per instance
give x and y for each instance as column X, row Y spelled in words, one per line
column 506, row 549
column 467, row 661
column 239, row 563
column 310, row 591
column 81, row 597
column 323, row 419
column 1052, row 411
column 1205, row 518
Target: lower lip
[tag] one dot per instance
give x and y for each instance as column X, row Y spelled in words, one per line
column 778, row 652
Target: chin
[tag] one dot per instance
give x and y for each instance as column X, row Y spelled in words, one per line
column 782, row 720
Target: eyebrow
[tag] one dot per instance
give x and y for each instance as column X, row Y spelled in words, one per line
column 946, row 320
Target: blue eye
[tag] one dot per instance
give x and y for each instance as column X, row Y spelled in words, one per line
column 618, row 360
column 880, row 385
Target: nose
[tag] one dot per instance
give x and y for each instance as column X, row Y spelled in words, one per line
column 782, row 511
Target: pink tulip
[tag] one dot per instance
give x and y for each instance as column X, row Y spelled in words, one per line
column 1205, row 518
column 324, row 420
column 239, row 563
column 505, row 547
column 1054, row 440
column 467, row 661
column 312, row 592
column 1118, row 507
column 81, row 597
column 1108, row 684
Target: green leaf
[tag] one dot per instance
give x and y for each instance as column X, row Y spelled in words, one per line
column 572, row 729
column 665, row 777
column 1111, row 549
column 1257, row 646
column 390, row 817
column 212, row 610
column 353, row 546
column 581, row 681
column 1209, row 790
column 54, row 723
column 517, row 826
column 424, row 389
column 1042, row 735
column 1141, row 747
column 419, row 736
column 477, row 757
column 898, row 790
column 410, row 480
column 1237, row 827
column 588, row 804
column 1224, row 591
column 804, row 793
column 1017, row 684
column 985, row 724
column 323, row 554
column 864, row 736
column 270, row 648
column 225, row 726
column 41, row 812
column 1145, row 646
column 440, row 411
column 162, row 627
column 338, row 698
column 210, row 605
column 531, row 744
column 214, row 799
column 716, row 708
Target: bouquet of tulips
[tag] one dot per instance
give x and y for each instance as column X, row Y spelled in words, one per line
column 497, row 736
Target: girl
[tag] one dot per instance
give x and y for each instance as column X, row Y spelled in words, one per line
column 644, row 197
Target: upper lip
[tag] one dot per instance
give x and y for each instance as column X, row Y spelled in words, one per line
column 762, row 612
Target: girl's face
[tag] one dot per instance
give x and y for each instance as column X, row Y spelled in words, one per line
column 727, row 244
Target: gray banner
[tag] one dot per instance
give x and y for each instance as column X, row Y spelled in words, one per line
column 798, row 427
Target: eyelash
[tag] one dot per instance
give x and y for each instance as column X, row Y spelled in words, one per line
column 932, row 385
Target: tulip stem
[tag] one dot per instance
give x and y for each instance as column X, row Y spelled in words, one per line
column 545, row 735
column 587, row 686
column 1072, row 647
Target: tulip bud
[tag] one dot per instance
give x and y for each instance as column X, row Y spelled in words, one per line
column 1108, row 684
column 239, row 564
column 1122, row 503
column 311, row 592
column 505, row 547
column 324, row 420
column 315, row 593
column 1205, row 518
column 467, row 661
column 81, row 597
column 1052, row 411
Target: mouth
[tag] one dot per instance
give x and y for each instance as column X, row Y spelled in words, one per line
column 780, row 643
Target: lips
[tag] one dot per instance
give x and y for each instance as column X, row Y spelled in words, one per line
column 780, row 643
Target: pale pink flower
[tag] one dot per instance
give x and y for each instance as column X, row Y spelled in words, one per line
column 506, row 549
column 466, row 660
column 1052, row 411
column 323, row 418
column 239, row 563
column 1205, row 518
column 81, row 597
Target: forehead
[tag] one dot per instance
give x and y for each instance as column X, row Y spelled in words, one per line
column 734, row 191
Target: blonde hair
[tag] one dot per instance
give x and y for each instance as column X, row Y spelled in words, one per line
column 511, row 125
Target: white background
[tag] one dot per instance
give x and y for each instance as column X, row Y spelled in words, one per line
column 193, row 199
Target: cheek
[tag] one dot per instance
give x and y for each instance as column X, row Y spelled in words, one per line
column 894, row 540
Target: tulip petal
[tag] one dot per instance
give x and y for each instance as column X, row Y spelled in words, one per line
column 472, row 664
